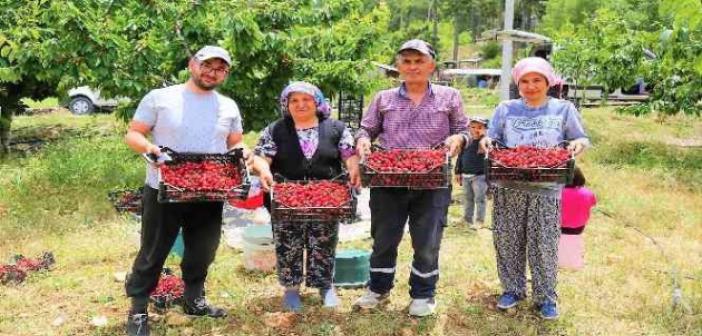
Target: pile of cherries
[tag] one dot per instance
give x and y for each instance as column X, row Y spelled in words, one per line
column 406, row 160
column 530, row 157
column 170, row 289
column 22, row 266
column 313, row 194
column 203, row 175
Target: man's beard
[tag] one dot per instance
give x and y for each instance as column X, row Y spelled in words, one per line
column 200, row 84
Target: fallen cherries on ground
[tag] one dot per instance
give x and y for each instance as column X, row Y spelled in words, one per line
column 168, row 291
column 21, row 266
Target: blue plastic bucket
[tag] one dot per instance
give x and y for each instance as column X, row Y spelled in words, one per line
column 178, row 246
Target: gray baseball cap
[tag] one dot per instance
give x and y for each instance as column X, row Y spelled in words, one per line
column 209, row 52
column 418, row 45
column 479, row 120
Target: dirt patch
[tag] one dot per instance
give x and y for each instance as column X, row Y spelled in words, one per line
column 44, row 110
column 280, row 320
column 685, row 143
column 26, row 146
column 28, row 140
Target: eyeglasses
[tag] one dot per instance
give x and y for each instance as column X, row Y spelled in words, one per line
column 206, row 67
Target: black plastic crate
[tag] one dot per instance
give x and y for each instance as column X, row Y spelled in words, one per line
column 346, row 212
column 169, row 193
column 563, row 173
column 437, row 178
column 126, row 200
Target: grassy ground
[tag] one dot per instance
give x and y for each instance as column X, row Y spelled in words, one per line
column 56, row 200
column 48, row 102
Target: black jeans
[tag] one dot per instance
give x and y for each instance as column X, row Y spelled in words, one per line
column 390, row 209
column 202, row 227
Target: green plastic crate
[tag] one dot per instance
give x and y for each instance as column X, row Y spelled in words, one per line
column 352, row 268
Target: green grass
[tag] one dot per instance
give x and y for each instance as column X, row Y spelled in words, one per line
column 48, row 102
column 56, row 200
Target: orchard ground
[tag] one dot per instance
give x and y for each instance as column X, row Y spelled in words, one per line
column 644, row 239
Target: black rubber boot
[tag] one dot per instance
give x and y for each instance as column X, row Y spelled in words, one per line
column 200, row 307
column 138, row 324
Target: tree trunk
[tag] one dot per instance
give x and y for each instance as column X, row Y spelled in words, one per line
column 5, row 123
column 474, row 22
column 456, row 32
column 525, row 15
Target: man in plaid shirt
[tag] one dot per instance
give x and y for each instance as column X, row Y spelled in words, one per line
column 418, row 114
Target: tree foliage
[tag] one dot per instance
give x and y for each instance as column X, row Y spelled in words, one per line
column 607, row 47
column 677, row 72
column 127, row 47
column 412, row 19
column 607, row 52
column 560, row 14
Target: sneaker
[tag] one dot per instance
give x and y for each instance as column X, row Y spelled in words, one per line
column 200, row 307
column 292, row 301
column 329, row 298
column 370, row 300
column 508, row 300
column 548, row 310
column 138, row 325
column 422, row 307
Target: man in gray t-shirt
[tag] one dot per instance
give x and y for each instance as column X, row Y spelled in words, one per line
column 190, row 117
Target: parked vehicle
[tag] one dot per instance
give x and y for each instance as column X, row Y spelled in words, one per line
column 84, row 100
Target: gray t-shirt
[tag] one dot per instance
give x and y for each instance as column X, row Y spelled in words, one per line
column 188, row 122
column 514, row 124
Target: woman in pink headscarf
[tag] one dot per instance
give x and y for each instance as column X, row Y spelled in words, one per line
column 526, row 215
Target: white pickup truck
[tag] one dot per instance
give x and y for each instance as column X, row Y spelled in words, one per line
column 84, row 100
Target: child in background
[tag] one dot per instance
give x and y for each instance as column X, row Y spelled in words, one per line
column 470, row 173
column 576, row 203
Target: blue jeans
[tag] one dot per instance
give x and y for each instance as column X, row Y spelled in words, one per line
column 474, row 189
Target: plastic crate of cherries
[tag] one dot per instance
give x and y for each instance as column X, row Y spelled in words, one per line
column 530, row 164
column 126, row 200
column 195, row 177
column 313, row 201
column 409, row 168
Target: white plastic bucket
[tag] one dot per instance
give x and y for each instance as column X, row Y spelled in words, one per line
column 571, row 251
column 259, row 257
column 259, row 248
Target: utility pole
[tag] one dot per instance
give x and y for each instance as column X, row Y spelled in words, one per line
column 506, row 77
